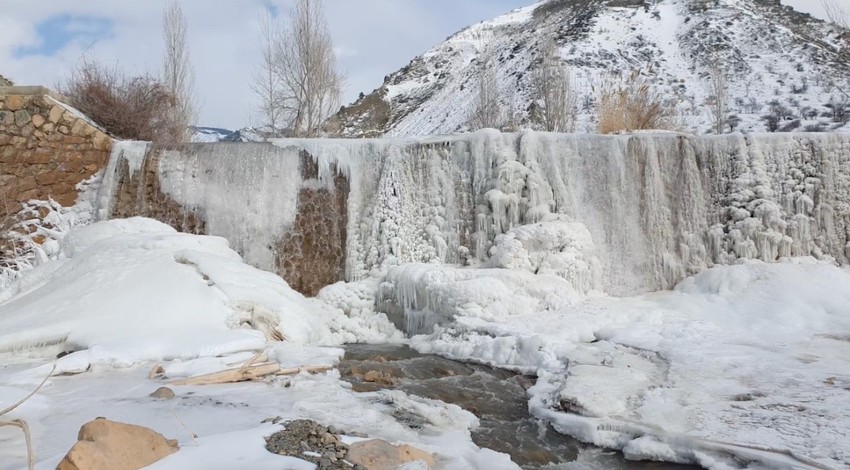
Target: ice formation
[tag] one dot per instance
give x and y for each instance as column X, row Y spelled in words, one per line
column 658, row 207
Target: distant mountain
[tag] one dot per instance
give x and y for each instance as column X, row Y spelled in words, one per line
column 776, row 60
column 216, row 134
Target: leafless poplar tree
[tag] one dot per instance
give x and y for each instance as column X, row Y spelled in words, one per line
column 306, row 65
column 267, row 83
column 487, row 113
column 719, row 101
column 554, row 93
column 177, row 72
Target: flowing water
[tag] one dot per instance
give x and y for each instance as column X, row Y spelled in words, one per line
column 496, row 396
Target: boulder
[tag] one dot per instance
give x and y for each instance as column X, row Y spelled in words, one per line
column 163, row 393
column 108, row 445
column 377, row 454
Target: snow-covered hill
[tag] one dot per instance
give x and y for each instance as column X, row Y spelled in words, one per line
column 776, row 60
column 216, row 134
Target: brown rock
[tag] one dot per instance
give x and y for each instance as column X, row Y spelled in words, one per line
column 31, row 194
column 79, row 128
column 163, row 393
column 37, row 120
column 42, row 156
column 7, row 118
column 48, row 127
column 66, row 199
column 376, row 454
column 27, row 130
column 48, row 178
column 109, row 445
column 14, row 102
column 56, row 114
column 22, row 118
column 101, row 141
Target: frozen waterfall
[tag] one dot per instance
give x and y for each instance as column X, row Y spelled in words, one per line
column 658, row 207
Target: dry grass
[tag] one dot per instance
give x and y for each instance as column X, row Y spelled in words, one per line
column 629, row 104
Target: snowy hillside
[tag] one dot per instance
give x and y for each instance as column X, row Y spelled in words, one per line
column 775, row 60
column 215, row 134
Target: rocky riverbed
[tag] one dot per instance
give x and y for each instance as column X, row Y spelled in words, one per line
column 496, row 396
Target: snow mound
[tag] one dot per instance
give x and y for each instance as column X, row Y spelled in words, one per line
column 126, row 291
column 555, row 247
column 427, row 295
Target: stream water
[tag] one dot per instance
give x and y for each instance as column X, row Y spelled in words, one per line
column 496, row 396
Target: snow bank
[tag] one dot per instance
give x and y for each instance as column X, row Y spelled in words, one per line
column 135, row 290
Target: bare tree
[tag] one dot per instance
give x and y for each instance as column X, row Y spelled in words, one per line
column 267, row 83
column 836, row 14
column 718, row 103
column 555, row 98
column 177, row 72
column 487, row 111
column 305, row 63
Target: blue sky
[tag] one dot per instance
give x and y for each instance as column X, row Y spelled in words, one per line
column 40, row 40
column 57, row 31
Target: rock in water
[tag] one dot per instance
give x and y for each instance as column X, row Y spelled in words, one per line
column 381, row 455
column 109, row 445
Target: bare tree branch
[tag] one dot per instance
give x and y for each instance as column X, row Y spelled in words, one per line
column 306, row 66
column 719, row 100
column 836, row 14
column 487, row 111
column 267, row 83
column 178, row 74
column 555, row 98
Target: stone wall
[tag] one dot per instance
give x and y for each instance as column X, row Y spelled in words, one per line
column 311, row 254
column 46, row 148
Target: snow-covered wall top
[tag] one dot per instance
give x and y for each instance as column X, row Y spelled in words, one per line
column 658, row 207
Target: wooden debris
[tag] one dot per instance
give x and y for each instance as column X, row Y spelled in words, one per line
column 248, row 372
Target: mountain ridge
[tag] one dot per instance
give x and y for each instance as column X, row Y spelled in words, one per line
column 778, row 61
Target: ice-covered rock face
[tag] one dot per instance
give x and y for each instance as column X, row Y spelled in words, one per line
column 645, row 210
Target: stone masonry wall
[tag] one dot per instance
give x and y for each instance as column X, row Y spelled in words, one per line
column 311, row 254
column 46, row 148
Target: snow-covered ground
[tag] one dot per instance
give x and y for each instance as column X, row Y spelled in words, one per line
column 740, row 365
column 124, row 295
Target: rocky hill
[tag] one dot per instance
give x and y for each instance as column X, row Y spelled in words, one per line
column 776, row 61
